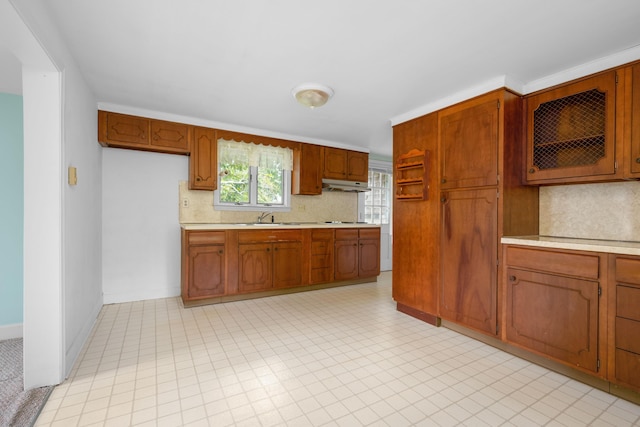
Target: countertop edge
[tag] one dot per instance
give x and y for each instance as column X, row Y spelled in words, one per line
column 606, row 246
column 218, row 226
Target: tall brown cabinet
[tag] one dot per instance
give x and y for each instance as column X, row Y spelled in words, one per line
column 447, row 261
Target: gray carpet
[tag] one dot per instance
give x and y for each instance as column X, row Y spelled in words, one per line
column 18, row 408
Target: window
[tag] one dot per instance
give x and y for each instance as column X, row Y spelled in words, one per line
column 377, row 202
column 253, row 177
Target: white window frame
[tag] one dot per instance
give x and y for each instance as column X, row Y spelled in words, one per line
column 253, row 205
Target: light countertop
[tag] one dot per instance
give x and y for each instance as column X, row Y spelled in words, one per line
column 269, row 226
column 608, row 246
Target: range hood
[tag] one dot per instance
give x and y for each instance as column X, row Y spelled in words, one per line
column 343, row 185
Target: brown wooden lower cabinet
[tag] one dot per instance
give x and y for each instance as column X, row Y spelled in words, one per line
column 554, row 315
column 357, row 253
column 204, row 264
column 579, row 308
column 625, row 304
column 236, row 262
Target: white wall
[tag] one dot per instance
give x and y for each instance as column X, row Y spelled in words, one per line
column 63, row 290
column 140, row 226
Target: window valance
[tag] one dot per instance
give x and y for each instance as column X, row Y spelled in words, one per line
column 258, row 155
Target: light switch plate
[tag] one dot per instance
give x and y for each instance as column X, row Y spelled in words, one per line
column 73, row 176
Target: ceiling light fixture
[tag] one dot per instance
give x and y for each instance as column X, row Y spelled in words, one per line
column 312, row 95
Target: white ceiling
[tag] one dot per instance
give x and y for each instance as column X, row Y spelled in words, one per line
column 235, row 62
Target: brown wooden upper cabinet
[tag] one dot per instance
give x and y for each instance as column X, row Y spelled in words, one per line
column 140, row 133
column 345, row 164
column 571, row 132
column 631, row 151
column 307, row 170
column 469, row 145
column 203, row 168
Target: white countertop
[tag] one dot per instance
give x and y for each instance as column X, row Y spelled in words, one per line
column 268, row 226
column 608, row 246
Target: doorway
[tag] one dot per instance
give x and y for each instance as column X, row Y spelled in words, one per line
column 375, row 207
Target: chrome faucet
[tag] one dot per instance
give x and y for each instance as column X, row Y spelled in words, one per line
column 262, row 216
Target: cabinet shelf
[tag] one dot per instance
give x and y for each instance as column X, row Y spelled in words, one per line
column 586, row 140
column 412, row 176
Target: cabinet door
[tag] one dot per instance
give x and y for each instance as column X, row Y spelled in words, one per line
column 207, row 271
column 170, row 136
column 469, row 145
column 369, row 257
column 335, row 163
column 307, row 170
column 468, row 292
column 634, row 150
column 554, row 315
column 121, row 130
column 203, row 168
column 571, row 132
column 357, row 166
column 255, row 269
column 287, row 264
column 346, row 259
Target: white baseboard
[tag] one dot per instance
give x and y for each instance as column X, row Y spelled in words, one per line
column 140, row 295
column 8, row 332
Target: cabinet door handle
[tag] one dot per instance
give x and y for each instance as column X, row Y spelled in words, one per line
column 220, row 251
column 198, row 179
column 268, row 249
column 443, row 180
column 512, row 278
column 275, row 249
column 443, row 199
column 532, row 170
column 637, row 159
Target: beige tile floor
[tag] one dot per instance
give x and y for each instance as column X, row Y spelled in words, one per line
column 335, row 357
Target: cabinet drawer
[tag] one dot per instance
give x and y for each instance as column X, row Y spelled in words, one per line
column 628, row 367
column 346, row 233
column 628, row 335
column 205, row 237
column 269, row 236
column 628, row 302
column 570, row 264
column 322, row 234
column 628, row 270
column 369, row 233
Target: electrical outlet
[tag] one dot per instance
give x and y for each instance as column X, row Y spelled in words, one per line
column 302, row 208
column 185, row 203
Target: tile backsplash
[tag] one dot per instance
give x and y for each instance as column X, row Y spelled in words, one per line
column 609, row 211
column 330, row 206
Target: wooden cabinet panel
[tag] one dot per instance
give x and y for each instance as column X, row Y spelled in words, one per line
column 632, row 151
column 207, row 267
column 357, row 166
column 203, row 167
column 307, row 170
column 255, row 267
column 335, row 163
column 122, row 130
column 345, row 164
column 321, row 263
column 140, row 133
column 628, row 334
column 627, row 368
column 468, row 291
column 628, row 302
column 204, row 264
column 369, row 257
column 346, row 259
column 571, row 132
column 571, row 264
column 469, row 145
column 628, row 270
column 416, row 225
column 554, row 315
column 287, row 264
column 170, row 136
